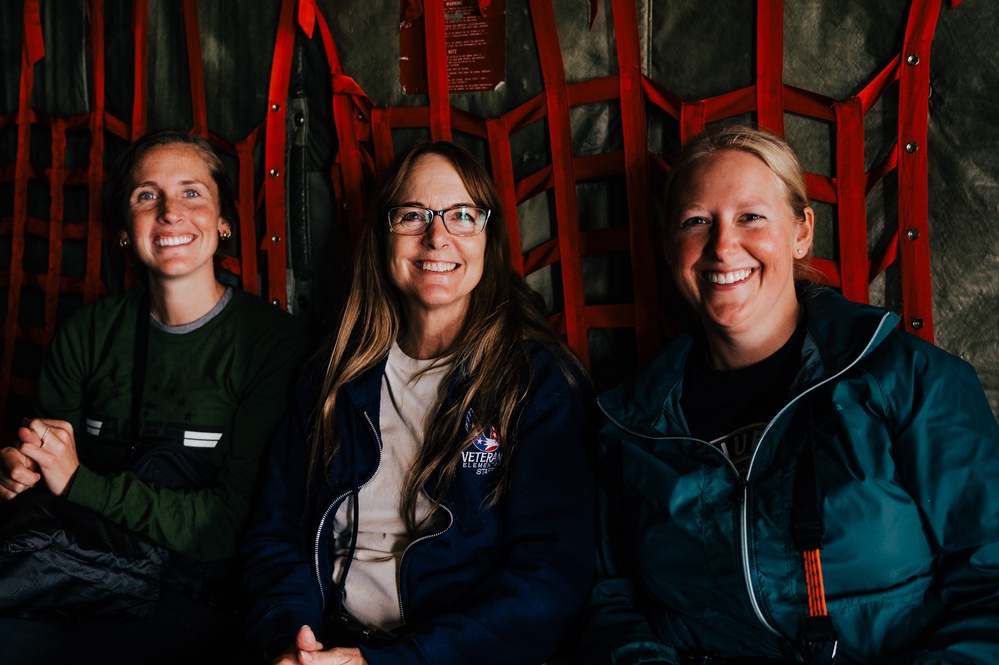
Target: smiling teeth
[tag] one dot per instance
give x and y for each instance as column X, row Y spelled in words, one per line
column 436, row 266
column 728, row 277
column 172, row 241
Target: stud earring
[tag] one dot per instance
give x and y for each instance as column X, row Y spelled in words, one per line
column 224, row 234
column 800, row 252
column 123, row 241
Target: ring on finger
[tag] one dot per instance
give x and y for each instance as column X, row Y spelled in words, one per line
column 41, row 439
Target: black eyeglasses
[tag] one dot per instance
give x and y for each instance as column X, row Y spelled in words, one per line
column 459, row 220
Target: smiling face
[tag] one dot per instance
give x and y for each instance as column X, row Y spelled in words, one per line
column 435, row 272
column 731, row 243
column 174, row 214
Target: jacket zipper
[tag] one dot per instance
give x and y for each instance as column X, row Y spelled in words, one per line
column 322, row 522
column 398, row 583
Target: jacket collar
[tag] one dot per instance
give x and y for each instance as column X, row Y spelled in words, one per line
column 839, row 333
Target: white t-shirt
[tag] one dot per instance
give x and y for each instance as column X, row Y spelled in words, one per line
column 409, row 396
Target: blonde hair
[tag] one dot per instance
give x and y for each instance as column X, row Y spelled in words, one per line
column 762, row 144
column 491, row 355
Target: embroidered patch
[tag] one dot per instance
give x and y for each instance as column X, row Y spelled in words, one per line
column 484, row 454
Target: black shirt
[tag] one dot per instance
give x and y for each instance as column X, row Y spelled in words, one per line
column 731, row 408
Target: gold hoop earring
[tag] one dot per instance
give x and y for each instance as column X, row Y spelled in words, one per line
column 224, row 234
column 123, row 241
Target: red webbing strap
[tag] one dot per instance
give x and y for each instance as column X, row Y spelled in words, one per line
column 21, row 171
column 636, row 172
column 345, row 92
column 195, row 67
column 806, row 102
column 381, row 137
column 692, row 118
column 274, row 150
column 566, row 205
column 95, row 170
column 307, row 12
column 873, row 91
column 851, row 200
column 770, row 65
column 140, row 28
column 913, row 204
column 501, row 167
column 435, row 35
column 57, row 182
column 729, row 104
column 246, row 205
column 34, row 43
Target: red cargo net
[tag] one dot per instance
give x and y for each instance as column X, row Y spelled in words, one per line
column 364, row 140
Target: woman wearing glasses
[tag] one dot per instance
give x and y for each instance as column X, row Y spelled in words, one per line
column 429, row 500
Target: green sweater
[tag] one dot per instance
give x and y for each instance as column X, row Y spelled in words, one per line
column 219, row 390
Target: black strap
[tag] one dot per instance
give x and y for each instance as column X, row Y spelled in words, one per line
column 807, row 527
column 806, row 517
column 140, row 357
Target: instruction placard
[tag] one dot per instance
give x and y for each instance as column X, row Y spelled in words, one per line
column 475, row 46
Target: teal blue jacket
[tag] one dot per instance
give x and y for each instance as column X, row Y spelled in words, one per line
column 693, row 559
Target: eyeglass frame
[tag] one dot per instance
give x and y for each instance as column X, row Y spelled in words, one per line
column 437, row 213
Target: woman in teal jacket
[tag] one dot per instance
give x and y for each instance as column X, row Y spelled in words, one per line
column 798, row 481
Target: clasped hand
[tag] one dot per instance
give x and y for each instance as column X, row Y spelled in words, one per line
column 46, row 451
column 309, row 651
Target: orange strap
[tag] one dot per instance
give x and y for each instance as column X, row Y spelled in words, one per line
column 816, row 588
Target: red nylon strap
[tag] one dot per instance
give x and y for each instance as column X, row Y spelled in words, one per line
column 566, row 211
column 274, row 150
column 730, row 103
column 34, row 43
column 140, row 17
column 435, row 35
column 247, row 213
column 913, row 205
column 636, row 172
column 873, row 91
column 381, row 137
column 20, row 209
column 411, row 10
column 851, row 199
column 57, row 181
column 195, row 67
column 770, row 65
column 502, row 171
column 692, row 120
column 346, row 92
column 95, row 175
column 307, row 16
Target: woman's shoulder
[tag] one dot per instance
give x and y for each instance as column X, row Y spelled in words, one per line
column 253, row 316
column 553, row 366
column 108, row 312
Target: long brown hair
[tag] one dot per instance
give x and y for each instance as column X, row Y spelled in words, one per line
column 490, row 354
